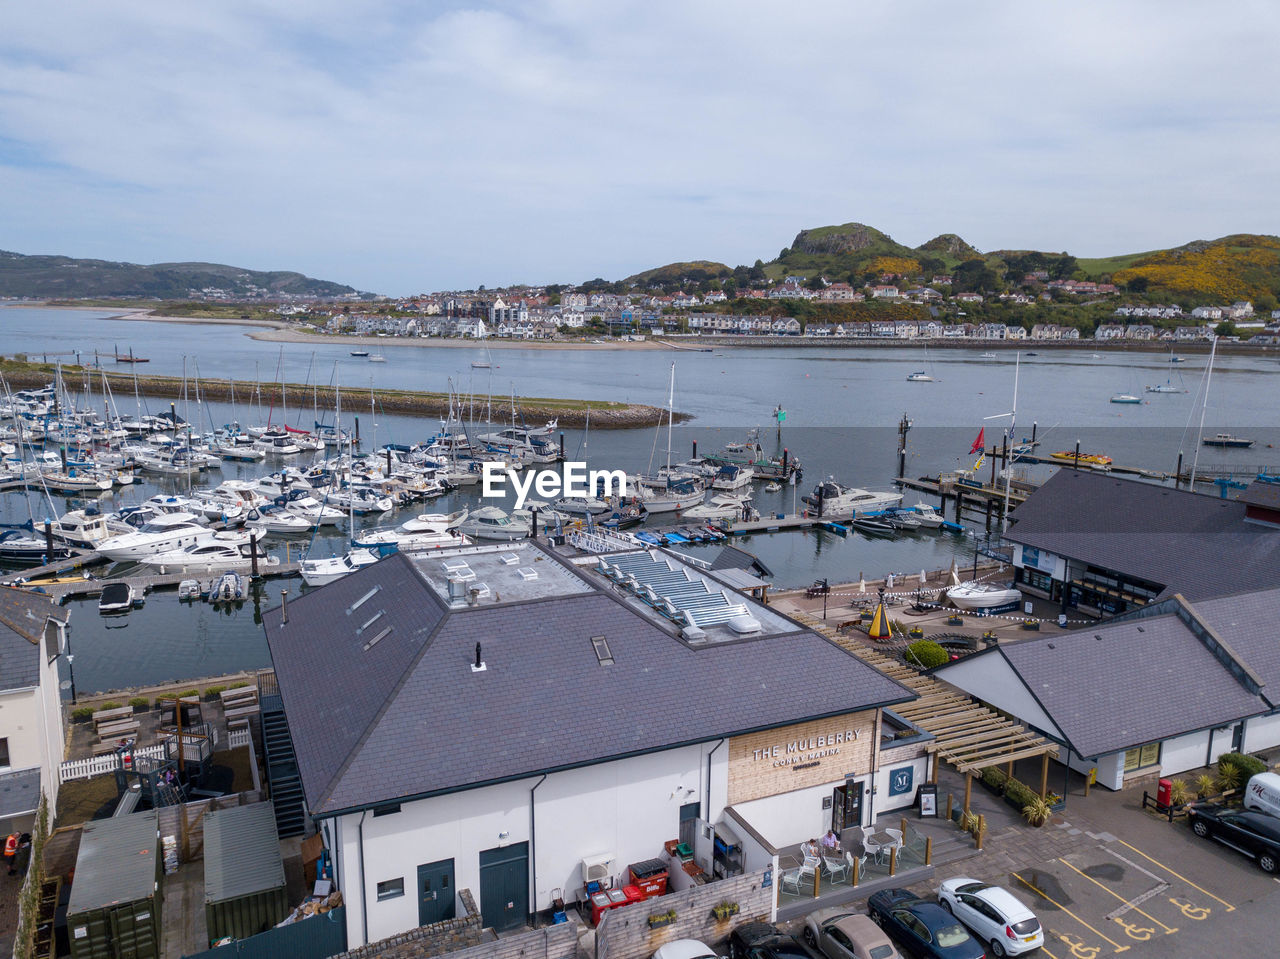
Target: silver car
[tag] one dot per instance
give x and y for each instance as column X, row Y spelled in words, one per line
column 993, row 914
column 839, row 933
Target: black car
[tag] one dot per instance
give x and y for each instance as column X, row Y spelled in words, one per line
column 762, row 940
column 921, row 927
column 1255, row 834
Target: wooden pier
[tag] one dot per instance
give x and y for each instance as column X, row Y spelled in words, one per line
column 147, row 582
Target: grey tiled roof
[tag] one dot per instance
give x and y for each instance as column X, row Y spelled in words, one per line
column 732, row 557
column 22, row 620
column 1266, row 495
column 19, row 792
column 1143, row 681
column 427, row 723
column 1248, row 625
column 1191, row 543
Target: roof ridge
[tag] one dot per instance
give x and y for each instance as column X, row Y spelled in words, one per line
column 1219, row 647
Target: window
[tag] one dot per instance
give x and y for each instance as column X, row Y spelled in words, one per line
column 386, row 810
column 1143, row 756
column 390, row 889
column 4, row 753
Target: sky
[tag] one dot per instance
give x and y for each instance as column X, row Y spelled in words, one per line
column 403, row 147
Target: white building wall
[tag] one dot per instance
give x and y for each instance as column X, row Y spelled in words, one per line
column 796, row 816
column 885, row 803
column 1221, row 743
column 625, row 809
column 1184, row 752
column 1262, row 732
column 21, row 722
column 1111, row 770
column 990, row 678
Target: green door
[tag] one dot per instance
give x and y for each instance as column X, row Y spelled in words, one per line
column 435, row 892
column 504, row 886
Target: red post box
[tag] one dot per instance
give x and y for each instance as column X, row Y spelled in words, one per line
column 1164, row 792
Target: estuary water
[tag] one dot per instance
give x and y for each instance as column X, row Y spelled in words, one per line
column 843, row 407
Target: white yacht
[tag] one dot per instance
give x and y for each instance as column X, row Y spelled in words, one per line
column 836, row 499
column 167, row 531
column 425, row 531
column 720, row 506
column 226, row 550
column 928, row 516
column 983, row 596
column 274, row 519
column 317, row 572
column 490, row 522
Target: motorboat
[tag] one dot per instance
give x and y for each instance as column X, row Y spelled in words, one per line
column 361, row 500
column 905, row 520
column 983, row 596
column 279, row 444
column 581, row 505
column 167, row 531
column 830, row 498
column 873, row 526
column 662, row 494
column 929, row 517
column 772, row 487
column 359, row 352
column 227, row 550
column 425, row 531
column 1228, row 441
column 377, row 358
column 1100, row 460
column 17, row 546
column 1164, row 388
column 722, row 506
column 1125, row 398
column 536, row 444
column 988, row 356
column 731, row 478
column 304, row 504
column 490, row 522
column 117, row 597
column 919, row 376
column 276, row 519
column 318, row 572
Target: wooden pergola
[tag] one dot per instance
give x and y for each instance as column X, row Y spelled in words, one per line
column 969, row 736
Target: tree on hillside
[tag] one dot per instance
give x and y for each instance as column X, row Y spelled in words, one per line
column 1063, row 267
column 931, row 266
column 1137, row 284
column 1226, row 328
column 815, row 282
column 731, row 287
column 973, row 276
column 786, row 252
column 757, row 272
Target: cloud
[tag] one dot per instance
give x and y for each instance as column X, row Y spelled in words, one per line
column 400, row 146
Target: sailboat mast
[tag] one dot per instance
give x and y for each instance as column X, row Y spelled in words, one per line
column 1208, row 378
column 1008, row 464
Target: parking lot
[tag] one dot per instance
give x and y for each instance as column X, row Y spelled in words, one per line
column 1106, row 878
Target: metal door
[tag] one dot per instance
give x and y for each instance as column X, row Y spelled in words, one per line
column 504, row 886
column 435, row 892
column 689, row 822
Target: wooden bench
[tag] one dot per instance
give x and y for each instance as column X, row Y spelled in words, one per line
column 238, row 697
column 242, row 711
column 107, row 747
column 121, row 729
column 111, row 715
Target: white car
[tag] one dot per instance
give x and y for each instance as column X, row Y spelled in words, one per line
column 685, row 949
column 993, row 915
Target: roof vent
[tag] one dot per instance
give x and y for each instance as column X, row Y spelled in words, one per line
column 457, row 591
column 479, row 665
column 745, row 625
column 693, row 634
column 527, row 573
column 602, row 651
column 382, row 634
column 1051, row 646
column 509, row 559
column 1098, row 637
column 363, row 599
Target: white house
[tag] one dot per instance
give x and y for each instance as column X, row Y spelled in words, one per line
column 32, row 639
column 515, row 720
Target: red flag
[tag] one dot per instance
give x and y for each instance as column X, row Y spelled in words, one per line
column 978, row 444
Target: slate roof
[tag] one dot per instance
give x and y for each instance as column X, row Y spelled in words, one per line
column 1193, row 544
column 22, row 620
column 1248, row 624
column 731, row 557
column 19, row 792
column 1147, row 678
column 1263, row 494
column 410, row 718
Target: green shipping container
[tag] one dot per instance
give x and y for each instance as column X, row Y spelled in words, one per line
column 244, row 884
column 114, row 910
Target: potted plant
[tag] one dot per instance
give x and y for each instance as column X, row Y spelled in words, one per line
column 662, row 919
column 955, row 619
column 1031, row 624
column 1204, row 785
column 1179, row 792
column 915, row 632
column 1036, row 812
column 724, row 910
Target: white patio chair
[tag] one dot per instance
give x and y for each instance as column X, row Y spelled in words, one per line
column 837, row 869
column 789, row 882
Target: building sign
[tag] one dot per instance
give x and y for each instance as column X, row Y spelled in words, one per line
column 900, row 780
column 1033, row 558
column 796, row 757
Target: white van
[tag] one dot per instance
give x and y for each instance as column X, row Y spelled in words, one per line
column 1262, row 792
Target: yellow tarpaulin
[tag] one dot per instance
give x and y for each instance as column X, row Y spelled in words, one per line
column 880, row 624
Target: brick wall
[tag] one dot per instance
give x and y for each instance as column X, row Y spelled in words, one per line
column 625, row 933
column 794, row 757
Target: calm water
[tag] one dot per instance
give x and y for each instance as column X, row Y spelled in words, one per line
column 842, row 413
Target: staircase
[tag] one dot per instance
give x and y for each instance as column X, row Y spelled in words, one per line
column 282, row 764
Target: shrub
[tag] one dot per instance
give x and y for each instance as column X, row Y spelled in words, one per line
column 1228, row 776
column 240, row 685
column 82, row 714
column 1019, row 793
column 994, row 777
column 189, row 692
column 926, row 654
column 1179, row 792
column 213, row 691
column 1247, row 765
column 140, row 702
column 1036, row 812
column 111, row 704
column 1204, row 785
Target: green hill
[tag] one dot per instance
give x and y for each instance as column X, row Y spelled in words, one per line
column 63, row 277
column 677, row 274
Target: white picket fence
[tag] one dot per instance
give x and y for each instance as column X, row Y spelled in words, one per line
column 97, row 765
